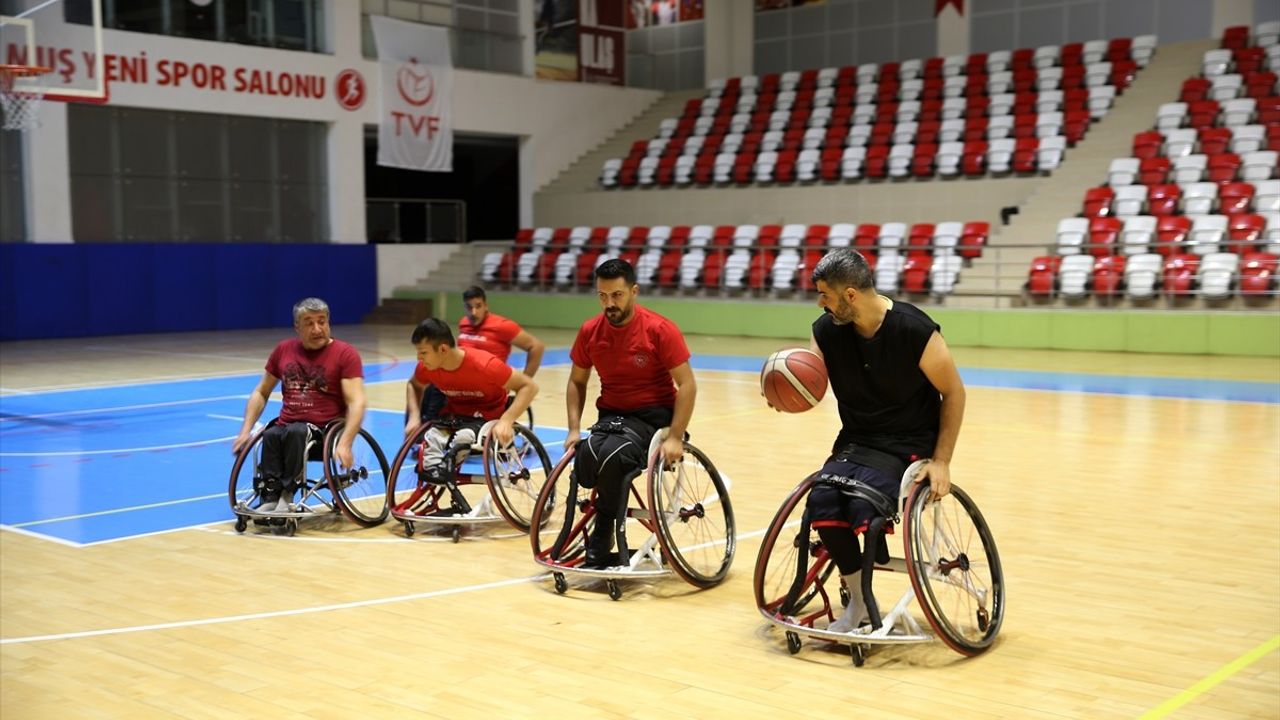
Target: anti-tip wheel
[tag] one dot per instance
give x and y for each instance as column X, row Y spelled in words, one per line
column 242, row 523
column 408, row 528
column 562, row 585
column 615, row 592
column 859, row 655
column 457, row 534
column 793, row 642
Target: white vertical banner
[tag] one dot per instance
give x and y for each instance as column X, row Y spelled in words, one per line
column 415, row 125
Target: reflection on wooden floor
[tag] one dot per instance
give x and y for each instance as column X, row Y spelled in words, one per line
column 1140, row 538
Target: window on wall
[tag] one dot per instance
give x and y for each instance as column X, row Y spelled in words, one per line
column 159, row 176
column 1009, row 24
column 844, row 32
column 483, row 34
column 288, row 24
column 666, row 57
column 12, row 193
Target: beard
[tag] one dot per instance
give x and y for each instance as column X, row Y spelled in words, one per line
column 618, row 316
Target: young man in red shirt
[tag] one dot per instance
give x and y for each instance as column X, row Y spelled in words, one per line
column 490, row 332
column 323, row 380
column 645, row 384
column 475, row 386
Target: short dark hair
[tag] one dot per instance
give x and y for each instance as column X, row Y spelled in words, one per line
column 433, row 330
column 473, row 292
column 844, row 267
column 615, row 268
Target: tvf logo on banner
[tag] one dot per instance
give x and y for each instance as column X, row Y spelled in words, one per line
column 415, row 128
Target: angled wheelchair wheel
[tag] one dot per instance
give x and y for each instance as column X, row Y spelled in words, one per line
column 694, row 517
column 954, row 569
column 559, row 524
column 242, row 492
column 516, row 475
column 360, row 491
column 792, row 568
column 408, row 492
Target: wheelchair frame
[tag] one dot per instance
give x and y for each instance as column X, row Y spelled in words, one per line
column 493, row 508
column 311, row 490
column 924, row 562
column 659, row 555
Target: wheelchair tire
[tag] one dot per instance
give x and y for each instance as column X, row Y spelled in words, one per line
column 694, row 517
column 243, row 469
column 516, row 477
column 552, row 509
column 958, row 582
column 360, row 492
column 778, row 559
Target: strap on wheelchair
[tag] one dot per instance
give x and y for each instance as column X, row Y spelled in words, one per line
column 873, row 534
column 569, row 507
column 883, row 505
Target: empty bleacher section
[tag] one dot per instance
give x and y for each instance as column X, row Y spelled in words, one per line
column 922, row 258
column 1195, row 209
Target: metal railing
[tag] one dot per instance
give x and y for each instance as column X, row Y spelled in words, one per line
column 412, row 220
column 1002, row 273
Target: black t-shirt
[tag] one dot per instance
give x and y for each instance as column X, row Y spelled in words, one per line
column 886, row 402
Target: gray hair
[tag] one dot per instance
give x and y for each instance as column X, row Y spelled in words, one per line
column 843, row 268
column 307, row 305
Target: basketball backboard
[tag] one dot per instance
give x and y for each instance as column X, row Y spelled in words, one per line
column 63, row 35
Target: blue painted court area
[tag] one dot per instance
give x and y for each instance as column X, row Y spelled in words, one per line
column 100, row 464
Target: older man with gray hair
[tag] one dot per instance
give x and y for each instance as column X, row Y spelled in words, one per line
column 323, row 379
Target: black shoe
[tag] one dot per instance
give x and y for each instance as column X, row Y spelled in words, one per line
column 600, row 552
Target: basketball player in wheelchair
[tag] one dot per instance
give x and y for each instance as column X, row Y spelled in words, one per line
column 901, row 400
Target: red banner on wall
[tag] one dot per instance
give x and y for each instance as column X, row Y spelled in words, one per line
column 940, row 5
column 602, row 42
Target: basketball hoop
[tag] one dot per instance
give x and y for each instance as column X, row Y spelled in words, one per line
column 21, row 90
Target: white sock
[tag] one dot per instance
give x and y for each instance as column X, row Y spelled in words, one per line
column 856, row 611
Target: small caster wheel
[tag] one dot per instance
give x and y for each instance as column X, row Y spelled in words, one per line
column 562, row 585
column 615, row 592
column 984, row 619
column 242, row 523
column 457, row 534
column 408, row 529
column 290, row 527
column 793, row 642
column 844, row 596
column 859, row 655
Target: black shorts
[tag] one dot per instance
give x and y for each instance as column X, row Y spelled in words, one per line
column 830, row 503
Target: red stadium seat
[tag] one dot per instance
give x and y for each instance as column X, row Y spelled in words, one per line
column 1042, row 279
column 1194, row 90
column 1244, row 233
column 915, row 273
column 1223, row 167
column 1026, row 155
column 1257, row 273
column 1108, row 274
column 1213, row 140
column 1171, row 234
column 1180, row 273
column 1147, row 144
column 1097, row 202
column 973, row 239
column 1103, row 234
column 1153, row 171
column 866, row 238
column 920, row 239
column 1235, row 198
column 974, row 160
column 1163, row 198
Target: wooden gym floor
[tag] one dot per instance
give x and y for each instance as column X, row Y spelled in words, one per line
column 1133, row 499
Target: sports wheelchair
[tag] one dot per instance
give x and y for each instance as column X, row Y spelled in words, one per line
column 950, row 560
column 357, row 493
column 684, row 510
column 513, row 476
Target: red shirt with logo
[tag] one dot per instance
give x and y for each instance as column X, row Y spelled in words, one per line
column 476, row 389
column 493, row 335
column 634, row 361
column 311, row 380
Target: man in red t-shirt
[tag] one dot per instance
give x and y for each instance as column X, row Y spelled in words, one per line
column 323, row 380
column 492, row 333
column 475, row 385
column 638, row 354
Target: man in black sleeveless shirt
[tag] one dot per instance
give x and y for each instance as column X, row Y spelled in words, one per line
column 900, row 398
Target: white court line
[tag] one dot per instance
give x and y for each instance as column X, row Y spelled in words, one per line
column 224, row 417
column 276, row 613
column 38, row 536
column 113, row 451
column 300, row 611
column 15, row 391
column 143, row 406
column 115, row 511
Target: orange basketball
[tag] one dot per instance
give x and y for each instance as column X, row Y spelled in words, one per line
column 793, row 380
